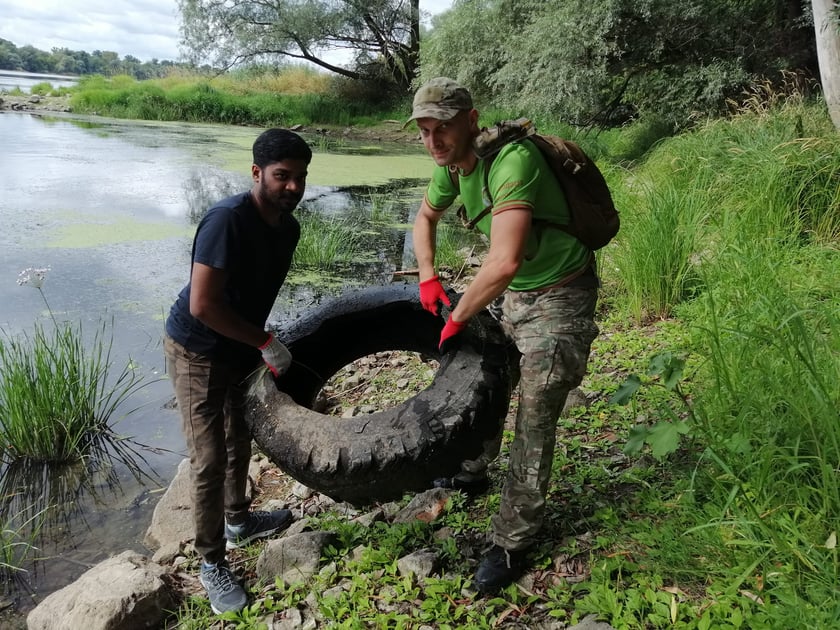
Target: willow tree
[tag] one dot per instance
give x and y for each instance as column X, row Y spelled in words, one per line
column 381, row 32
column 604, row 61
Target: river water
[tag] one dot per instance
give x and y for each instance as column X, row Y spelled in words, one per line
column 109, row 207
column 11, row 79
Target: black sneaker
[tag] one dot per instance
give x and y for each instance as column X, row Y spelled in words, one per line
column 257, row 525
column 223, row 591
column 498, row 568
column 472, row 487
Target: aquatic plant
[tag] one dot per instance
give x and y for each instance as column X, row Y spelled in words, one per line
column 57, row 392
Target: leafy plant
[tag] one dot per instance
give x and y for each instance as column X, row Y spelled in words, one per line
column 663, row 437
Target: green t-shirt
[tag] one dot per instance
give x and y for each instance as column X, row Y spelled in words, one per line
column 520, row 176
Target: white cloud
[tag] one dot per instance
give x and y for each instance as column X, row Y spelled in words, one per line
column 146, row 29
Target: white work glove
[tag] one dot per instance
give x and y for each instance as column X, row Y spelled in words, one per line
column 276, row 356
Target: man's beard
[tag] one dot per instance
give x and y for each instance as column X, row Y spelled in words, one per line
column 281, row 202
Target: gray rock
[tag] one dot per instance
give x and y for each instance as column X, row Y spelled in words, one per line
column 293, row 558
column 424, row 506
column 591, row 622
column 125, row 591
column 292, row 619
column 172, row 520
column 421, row 563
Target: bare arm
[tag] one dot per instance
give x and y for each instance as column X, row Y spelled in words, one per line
column 208, row 305
column 424, row 235
column 508, row 236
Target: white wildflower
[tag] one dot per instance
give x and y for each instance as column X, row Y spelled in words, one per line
column 33, row 276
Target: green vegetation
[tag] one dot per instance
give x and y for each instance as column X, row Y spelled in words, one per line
column 329, row 245
column 17, row 543
column 598, row 62
column 75, row 62
column 58, row 399
column 699, row 488
column 296, row 96
column 57, row 390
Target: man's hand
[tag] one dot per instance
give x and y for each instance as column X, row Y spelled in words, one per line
column 276, row 356
column 449, row 334
column 431, row 291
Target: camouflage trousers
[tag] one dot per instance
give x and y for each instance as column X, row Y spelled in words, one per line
column 553, row 330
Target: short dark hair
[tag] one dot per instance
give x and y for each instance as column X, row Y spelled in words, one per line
column 276, row 145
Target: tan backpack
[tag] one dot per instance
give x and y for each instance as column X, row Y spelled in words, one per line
column 594, row 219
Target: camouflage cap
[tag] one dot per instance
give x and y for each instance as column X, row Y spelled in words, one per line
column 441, row 98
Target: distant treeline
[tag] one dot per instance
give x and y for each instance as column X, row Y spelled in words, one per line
column 65, row 61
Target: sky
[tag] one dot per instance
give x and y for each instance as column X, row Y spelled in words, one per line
column 146, row 29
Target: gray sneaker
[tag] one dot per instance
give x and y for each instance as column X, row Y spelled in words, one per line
column 223, row 590
column 258, row 525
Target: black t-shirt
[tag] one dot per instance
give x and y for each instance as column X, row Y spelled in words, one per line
column 233, row 237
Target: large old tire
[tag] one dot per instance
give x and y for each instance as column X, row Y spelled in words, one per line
column 379, row 456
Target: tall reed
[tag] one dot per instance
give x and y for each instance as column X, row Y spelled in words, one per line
column 57, row 389
column 329, row 245
column 659, row 249
column 56, row 393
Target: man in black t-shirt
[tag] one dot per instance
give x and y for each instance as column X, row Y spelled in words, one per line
column 215, row 337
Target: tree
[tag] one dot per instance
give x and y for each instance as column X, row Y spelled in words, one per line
column 828, row 53
column 606, row 61
column 376, row 32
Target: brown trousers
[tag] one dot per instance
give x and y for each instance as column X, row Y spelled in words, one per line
column 210, row 397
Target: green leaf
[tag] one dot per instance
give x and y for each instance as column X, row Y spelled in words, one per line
column 668, row 367
column 664, row 437
column 626, row 391
column 636, row 440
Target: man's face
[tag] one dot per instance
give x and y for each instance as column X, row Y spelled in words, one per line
column 449, row 142
column 280, row 185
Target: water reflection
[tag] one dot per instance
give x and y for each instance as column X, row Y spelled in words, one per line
column 132, row 193
column 370, row 223
column 45, row 507
column 202, row 189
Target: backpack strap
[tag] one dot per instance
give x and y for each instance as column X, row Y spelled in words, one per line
column 462, row 209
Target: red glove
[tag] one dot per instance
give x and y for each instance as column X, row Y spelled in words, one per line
column 449, row 334
column 431, row 291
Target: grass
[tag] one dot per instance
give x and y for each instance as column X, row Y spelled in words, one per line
column 59, row 396
column 57, row 392
column 292, row 96
column 329, row 245
column 17, row 543
column 710, row 499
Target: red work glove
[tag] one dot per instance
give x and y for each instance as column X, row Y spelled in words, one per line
column 431, row 291
column 449, row 334
column 276, row 356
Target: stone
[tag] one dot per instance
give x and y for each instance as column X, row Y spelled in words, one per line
column 420, row 563
column 293, row 558
column 172, row 520
column 124, row 591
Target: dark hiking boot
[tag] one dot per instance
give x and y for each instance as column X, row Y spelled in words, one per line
column 472, row 487
column 223, row 591
column 257, row 525
column 498, row 568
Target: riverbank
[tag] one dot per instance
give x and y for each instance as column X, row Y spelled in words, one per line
column 389, row 130
column 34, row 103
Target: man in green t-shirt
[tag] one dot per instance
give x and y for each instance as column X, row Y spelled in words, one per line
column 549, row 284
